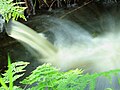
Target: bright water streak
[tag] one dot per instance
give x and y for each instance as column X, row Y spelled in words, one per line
column 31, row 38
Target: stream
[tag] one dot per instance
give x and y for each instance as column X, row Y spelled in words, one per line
column 90, row 31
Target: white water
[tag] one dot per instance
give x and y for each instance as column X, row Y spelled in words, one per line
column 30, row 38
column 76, row 48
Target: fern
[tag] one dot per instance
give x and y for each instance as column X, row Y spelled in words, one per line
column 9, row 10
column 15, row 71
column 47, row 77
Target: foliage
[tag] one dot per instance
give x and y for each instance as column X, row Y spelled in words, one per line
column 9, row 10
column 47, row 77
column 15, row 71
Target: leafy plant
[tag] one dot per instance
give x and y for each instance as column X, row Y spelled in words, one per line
column 15, row 71
column 47, row 77
column 9, row 10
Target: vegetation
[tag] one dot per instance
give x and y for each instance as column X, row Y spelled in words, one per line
column 9, row 10
column 14, row 9
column 50, row 78
column 45, row 76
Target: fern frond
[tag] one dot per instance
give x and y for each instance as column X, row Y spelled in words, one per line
column 17, row 71
column 48, row 77
column 9, row 10
column 45, row 76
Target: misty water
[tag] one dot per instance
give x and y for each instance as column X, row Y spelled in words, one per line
column 73, row 46
column 68, row 45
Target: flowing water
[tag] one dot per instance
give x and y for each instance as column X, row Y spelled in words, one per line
column 30, row 37
column 72, row 46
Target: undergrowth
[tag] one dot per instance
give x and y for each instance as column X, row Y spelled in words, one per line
column 47, row 77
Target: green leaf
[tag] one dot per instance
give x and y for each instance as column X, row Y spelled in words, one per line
column 4, row 86
column 10, row 74
column 17, row 71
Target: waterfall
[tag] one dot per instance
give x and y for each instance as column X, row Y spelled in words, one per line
column 72, row 46
column 29, row 37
